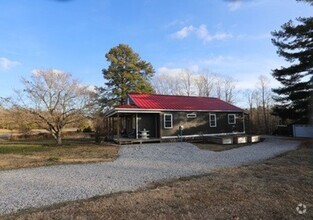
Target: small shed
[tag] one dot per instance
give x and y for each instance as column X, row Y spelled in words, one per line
column 302, row 128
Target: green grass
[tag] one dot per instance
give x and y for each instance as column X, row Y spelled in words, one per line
column 16, row 154
column 22, row 149
column 54, row 158
column 27, row 147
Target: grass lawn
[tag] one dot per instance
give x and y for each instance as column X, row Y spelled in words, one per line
column 34, row 153
column 271, row 189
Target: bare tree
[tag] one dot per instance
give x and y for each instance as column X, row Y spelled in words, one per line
column 176, row 87
column 229, row 87
column 249, row 95
column 187, row 82
column 204, row 84
column 54, row 99
column 224, row 88
column 218, row 84
column 265, row 97
column 161, row 84
column 168, row 85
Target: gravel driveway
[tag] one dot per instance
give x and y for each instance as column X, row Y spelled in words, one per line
column 136, row 166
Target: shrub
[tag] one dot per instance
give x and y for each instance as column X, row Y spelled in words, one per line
column 87, row 129
column 52, row 159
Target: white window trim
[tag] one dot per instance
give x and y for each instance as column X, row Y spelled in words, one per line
column 234, row 115
column 165, row 121
column 192, row 115
column 215, row 123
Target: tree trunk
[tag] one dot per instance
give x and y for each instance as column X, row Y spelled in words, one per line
column 59, row 141
column 58, row 138
column 265, row 120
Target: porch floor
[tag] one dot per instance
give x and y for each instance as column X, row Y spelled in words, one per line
column 123, row 141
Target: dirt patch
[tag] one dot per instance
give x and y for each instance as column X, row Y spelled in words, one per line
column 269, row 190
column 22, row 154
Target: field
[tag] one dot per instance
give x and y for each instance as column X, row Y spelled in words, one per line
column 34, row 153
column 271, row 189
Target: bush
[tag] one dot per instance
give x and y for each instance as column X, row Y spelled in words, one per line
column 88, row 129
column 52, row 159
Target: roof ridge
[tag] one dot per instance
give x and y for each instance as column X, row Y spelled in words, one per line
column 191, row 96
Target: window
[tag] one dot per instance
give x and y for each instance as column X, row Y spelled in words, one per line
column 168, row 121
column 231, row 119
column 193, row 115
column 212, row 120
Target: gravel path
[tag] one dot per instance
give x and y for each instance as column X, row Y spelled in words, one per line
column 136, row 166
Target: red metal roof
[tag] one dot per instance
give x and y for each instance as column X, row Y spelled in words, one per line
column 126, row 106
column 171, row 102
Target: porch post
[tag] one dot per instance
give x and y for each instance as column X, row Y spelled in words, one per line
column 113, row 125
column 244, row 123
column 136, row 125
column 118, row 127
column 108, row 126
column 160, row 125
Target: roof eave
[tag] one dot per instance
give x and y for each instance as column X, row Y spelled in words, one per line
column 141, row 110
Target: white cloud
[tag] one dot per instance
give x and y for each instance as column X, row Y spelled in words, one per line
column 201, row 32
column 234, row 5
column 170, row 71
column 6, row 64
column 175, row 22
column 218, row 60
column 88, row 88
column 37, row 72
column 184, row 32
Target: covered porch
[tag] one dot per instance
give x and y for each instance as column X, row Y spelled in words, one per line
column 132, row 127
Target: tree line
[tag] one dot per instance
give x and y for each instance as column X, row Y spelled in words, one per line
column 188, row 83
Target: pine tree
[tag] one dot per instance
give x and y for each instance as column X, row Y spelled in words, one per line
column 126, row 73
column 295, row 43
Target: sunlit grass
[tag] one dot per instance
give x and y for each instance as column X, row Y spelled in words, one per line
column 42, row 152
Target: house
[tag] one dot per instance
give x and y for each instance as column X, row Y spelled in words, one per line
column 151, row 116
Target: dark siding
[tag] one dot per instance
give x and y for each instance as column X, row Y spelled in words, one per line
column 200, row 124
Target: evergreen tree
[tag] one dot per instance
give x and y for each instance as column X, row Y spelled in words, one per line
column 126, row 73
column 295, row 43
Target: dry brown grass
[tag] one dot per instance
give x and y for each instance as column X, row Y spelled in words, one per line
column 35, row 153
column 269, row 190
column 4, row 130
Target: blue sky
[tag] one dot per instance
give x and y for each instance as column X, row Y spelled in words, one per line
column 231, row 38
